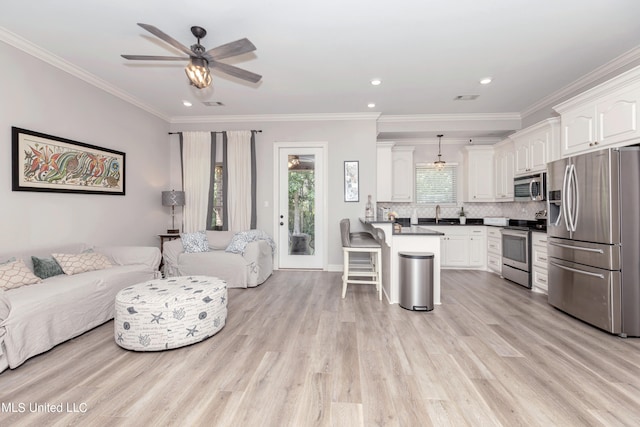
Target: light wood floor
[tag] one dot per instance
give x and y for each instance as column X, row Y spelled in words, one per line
column 293, row 353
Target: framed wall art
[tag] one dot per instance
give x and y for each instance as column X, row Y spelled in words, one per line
column 43, row 162
column 351, row 190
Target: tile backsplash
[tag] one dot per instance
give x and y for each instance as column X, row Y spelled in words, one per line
column 511, row 210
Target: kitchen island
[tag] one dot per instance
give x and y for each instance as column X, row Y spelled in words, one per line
column 417, row 238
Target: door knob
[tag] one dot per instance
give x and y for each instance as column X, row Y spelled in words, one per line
column 281, row 223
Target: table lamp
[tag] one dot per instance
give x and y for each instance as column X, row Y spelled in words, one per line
column 173, row 198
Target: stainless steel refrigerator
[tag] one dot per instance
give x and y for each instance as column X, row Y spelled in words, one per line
column 594, row 238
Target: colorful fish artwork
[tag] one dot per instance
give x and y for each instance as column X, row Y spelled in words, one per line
column 42, row 162
column 55, row 164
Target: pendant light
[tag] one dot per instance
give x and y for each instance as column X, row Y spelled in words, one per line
column 439, row 164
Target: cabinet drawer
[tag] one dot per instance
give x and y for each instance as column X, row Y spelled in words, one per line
column 494, row 246
column 494, row 262
column 539, row 239
column 539, row 278
column 494, row 232
column 540, row 257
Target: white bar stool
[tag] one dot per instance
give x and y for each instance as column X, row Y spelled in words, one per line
column 366, row 269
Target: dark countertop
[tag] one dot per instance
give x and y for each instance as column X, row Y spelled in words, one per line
column 406, row 222
column 417, row 230
column 431, row 222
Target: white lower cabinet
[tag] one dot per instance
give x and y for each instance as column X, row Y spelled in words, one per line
column 463, row 246
column 539, row 257
column 494, row 249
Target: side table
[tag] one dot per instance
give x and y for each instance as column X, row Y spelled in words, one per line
column 165, row 237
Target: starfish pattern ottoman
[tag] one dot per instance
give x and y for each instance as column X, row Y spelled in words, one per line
column 169, row 313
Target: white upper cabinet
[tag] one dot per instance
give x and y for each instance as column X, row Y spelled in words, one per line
column 604, row 116
column 536, row 146
column 479, row 181
column 504, row 164
column 402, row 174
column 383, row 171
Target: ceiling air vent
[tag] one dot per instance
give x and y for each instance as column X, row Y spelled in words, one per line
column 213, row 104
column 466, row 97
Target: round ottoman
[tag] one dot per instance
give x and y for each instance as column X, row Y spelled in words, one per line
column 169, row 313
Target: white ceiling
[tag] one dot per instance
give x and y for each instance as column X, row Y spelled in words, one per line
column 318, row 57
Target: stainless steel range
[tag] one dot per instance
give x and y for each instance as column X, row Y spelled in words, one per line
column 516, row 255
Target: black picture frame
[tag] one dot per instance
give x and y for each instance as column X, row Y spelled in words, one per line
column 48, row 163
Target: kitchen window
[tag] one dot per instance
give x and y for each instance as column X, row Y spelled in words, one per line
column 435, row 186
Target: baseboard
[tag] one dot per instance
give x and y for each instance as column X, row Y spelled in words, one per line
column 335, row 267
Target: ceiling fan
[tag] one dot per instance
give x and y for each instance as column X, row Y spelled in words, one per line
column 200, row 60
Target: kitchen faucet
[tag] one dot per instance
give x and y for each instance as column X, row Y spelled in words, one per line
column 437, row 213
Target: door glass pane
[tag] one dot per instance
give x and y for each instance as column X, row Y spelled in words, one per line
column 301, row 182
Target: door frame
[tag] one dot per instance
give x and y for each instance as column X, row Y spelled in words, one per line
column 323, row 205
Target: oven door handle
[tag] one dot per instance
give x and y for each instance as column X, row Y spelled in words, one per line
column 575, row 270
column 577, row 248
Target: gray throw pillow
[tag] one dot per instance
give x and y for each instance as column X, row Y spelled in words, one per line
column 46, row 267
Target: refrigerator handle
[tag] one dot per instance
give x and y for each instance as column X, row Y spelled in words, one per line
column 564, row 200
column 575, row 270
column 577, row 248
column 576, row 192
column 570, row 199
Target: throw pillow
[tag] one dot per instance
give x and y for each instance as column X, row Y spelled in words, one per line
column 80, row 263
column 7, row 261
column 195, row 242
column 46, row 267
column 15, row 274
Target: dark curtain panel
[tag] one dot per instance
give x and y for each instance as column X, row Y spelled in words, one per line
column 225, row 180
column 254, row 215
column 181, row 160
column 212, row 176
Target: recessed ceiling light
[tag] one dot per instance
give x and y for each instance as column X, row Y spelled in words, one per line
column 187, row 103
column 485, row 81
column 371, row 105
column 376, row 82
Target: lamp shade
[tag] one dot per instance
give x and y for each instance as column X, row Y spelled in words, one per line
column 173, row 198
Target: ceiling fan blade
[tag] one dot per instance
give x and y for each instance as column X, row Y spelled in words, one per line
column 173, row 42
column 236, row 72
column 237, row 47
column 155, row 58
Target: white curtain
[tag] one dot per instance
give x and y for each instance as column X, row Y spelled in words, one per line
column 239, row 180
column 196, row 158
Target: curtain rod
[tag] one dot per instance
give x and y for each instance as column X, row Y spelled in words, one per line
column 178, row 133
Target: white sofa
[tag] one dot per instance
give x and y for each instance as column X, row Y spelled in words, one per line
column 36, row 317
column 245, row 270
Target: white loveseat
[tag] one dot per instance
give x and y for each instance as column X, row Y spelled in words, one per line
column 240, row 270
column 36, row 317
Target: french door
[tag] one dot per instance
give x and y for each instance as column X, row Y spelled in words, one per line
column 301, row 205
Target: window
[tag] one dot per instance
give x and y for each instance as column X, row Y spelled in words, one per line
column 436, row 186
column 218, row 206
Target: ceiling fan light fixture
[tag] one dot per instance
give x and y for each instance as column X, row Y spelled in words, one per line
column 198, row 72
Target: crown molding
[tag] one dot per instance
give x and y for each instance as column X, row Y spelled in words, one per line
column 448, row 117
column 256, row 118
column 29, row 48
column 599, row 73
column 449, row 141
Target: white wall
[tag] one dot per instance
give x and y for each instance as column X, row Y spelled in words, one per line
column 37, row 96
column 347, row 140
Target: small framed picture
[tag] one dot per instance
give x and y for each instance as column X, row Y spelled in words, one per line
column 351, row 191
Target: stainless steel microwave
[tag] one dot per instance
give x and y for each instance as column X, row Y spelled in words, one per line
column 530, row 188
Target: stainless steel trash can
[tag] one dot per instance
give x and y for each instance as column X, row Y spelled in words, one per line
column 416, row 280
